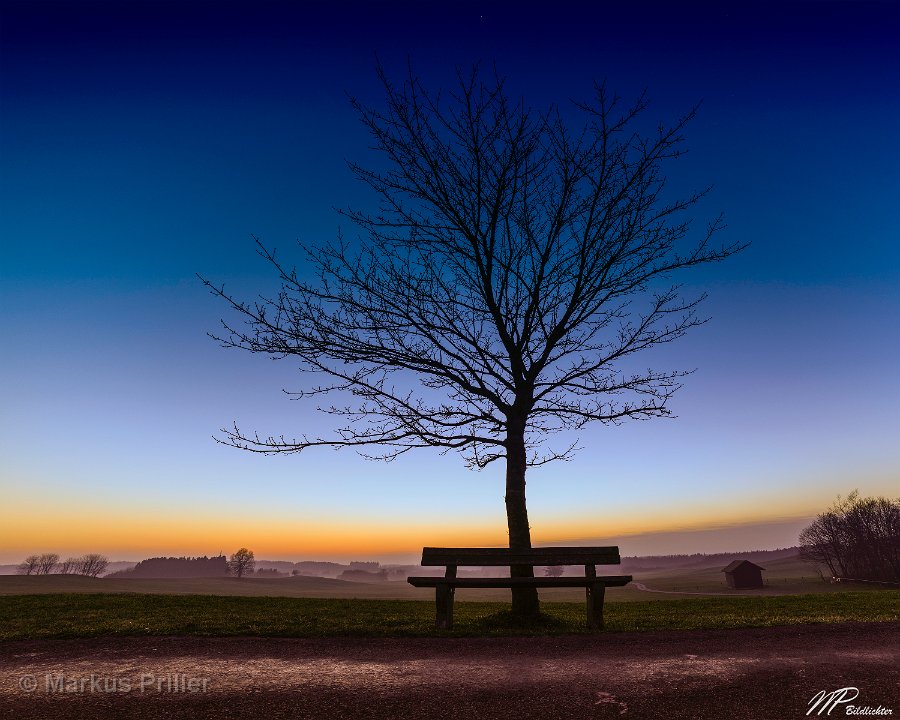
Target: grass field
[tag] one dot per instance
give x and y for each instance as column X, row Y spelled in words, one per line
column 314, row 587
column 784, row 575
column 57, row 606
column 76, row 615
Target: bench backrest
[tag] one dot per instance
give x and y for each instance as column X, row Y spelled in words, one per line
column 535, row 556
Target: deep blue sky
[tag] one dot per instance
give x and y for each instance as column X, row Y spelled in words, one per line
column 143, row 142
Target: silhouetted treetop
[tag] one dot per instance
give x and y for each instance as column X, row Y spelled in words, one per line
column 513, row 263
column 856, row 538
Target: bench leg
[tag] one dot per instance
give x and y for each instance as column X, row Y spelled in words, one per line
column 595, row 595
column 444, row 602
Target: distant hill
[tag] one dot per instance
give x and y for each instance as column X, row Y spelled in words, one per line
column 700, row 560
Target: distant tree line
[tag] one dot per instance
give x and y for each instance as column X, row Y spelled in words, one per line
column 269, row 572
column 90, row 565
column 173, row 567
column 318, row 568
column 367, row 566
column 857, row 538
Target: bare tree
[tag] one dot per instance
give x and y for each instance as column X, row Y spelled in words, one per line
column 68, row 566
column 47, row 563
column 29, row 566
column 514, row 268
column 857, row 538
column 554, row 571
column 820, row 543
column 241, row 563
column 92, row 565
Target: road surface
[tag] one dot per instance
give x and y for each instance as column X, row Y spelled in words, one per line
column 770, row 674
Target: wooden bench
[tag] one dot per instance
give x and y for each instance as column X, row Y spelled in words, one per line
column 452, row 558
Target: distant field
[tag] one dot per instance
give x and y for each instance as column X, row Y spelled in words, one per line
column 312, row 587
column 24, row 617
column 784, row 576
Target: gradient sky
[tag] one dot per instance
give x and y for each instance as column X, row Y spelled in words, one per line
column 143, row 142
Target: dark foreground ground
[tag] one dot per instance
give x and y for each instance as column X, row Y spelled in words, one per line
column 769, row 673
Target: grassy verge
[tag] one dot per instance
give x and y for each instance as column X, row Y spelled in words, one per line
column 80, row 615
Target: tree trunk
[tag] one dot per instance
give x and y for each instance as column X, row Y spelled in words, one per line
column 525, row 604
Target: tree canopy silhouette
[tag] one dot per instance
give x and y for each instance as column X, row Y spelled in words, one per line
column 856, row 538
column 517, row 260
column 241, row 562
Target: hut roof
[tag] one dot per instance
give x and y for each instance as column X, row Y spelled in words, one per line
column 732, row 566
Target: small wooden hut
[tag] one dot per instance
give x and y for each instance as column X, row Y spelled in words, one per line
column 743, row 575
